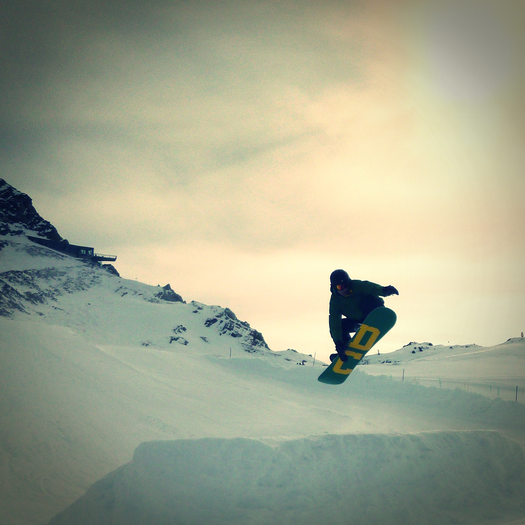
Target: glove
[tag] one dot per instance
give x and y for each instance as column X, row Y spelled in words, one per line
column 389, row 290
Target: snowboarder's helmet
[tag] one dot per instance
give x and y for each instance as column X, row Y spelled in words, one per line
column 338, row 277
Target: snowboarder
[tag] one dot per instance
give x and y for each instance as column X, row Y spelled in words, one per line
column 351, row 301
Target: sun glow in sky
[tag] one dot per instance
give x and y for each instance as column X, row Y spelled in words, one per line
column 243, row 151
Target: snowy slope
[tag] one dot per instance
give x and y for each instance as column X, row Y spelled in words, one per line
column 186, row 416
column 74, row 412
column 91, row 300
column 492, row 371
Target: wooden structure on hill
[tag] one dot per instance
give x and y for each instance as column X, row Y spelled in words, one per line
column 73, row 250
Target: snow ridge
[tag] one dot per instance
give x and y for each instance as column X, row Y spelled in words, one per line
column 351, row 479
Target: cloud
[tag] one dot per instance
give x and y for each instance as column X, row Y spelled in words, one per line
column 471, row 50
column 286, row 138
column 223, row 112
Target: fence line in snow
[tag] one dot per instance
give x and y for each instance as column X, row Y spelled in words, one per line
column 491, row 389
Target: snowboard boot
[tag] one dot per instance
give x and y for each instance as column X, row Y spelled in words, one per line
column 342, row 355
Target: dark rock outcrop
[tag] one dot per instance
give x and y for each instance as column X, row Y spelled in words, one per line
column 168, row 294
column 17, row 215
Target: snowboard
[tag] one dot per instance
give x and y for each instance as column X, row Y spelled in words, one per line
column 377, row 323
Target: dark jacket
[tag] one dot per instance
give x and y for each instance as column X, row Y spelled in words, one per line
column 349, row 305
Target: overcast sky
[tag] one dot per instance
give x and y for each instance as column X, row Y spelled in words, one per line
column 241, row 151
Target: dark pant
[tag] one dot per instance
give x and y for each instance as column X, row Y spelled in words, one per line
column 367, row 303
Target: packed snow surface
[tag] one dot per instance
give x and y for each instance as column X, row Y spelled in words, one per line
column 117, row 406
column 357, row 478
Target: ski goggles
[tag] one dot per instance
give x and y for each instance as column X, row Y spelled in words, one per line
column 342, row 286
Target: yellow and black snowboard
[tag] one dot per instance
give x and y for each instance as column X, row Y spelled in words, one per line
column 377, row 323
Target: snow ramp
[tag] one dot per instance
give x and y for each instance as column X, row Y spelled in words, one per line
column 432, row 478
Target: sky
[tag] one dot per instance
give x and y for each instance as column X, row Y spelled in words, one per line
column 242, row 151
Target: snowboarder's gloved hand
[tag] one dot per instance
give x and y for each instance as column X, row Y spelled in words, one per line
column 340, row 349
column 389, row 290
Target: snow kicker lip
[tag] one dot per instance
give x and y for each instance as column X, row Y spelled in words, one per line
column 407, row 479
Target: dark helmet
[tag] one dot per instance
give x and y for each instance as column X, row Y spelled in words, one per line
column 339, row 277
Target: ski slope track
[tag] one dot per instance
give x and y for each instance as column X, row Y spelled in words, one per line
column 121, row 403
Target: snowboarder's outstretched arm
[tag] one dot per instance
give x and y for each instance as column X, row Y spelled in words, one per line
column 389, row 290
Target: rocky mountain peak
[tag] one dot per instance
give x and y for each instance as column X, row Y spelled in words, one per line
column 18, row 216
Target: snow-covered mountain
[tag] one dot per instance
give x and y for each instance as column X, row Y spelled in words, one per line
column 424, row 352
column 122, row 403
column 39, row 280
column 18, row 215
column 54, row 287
